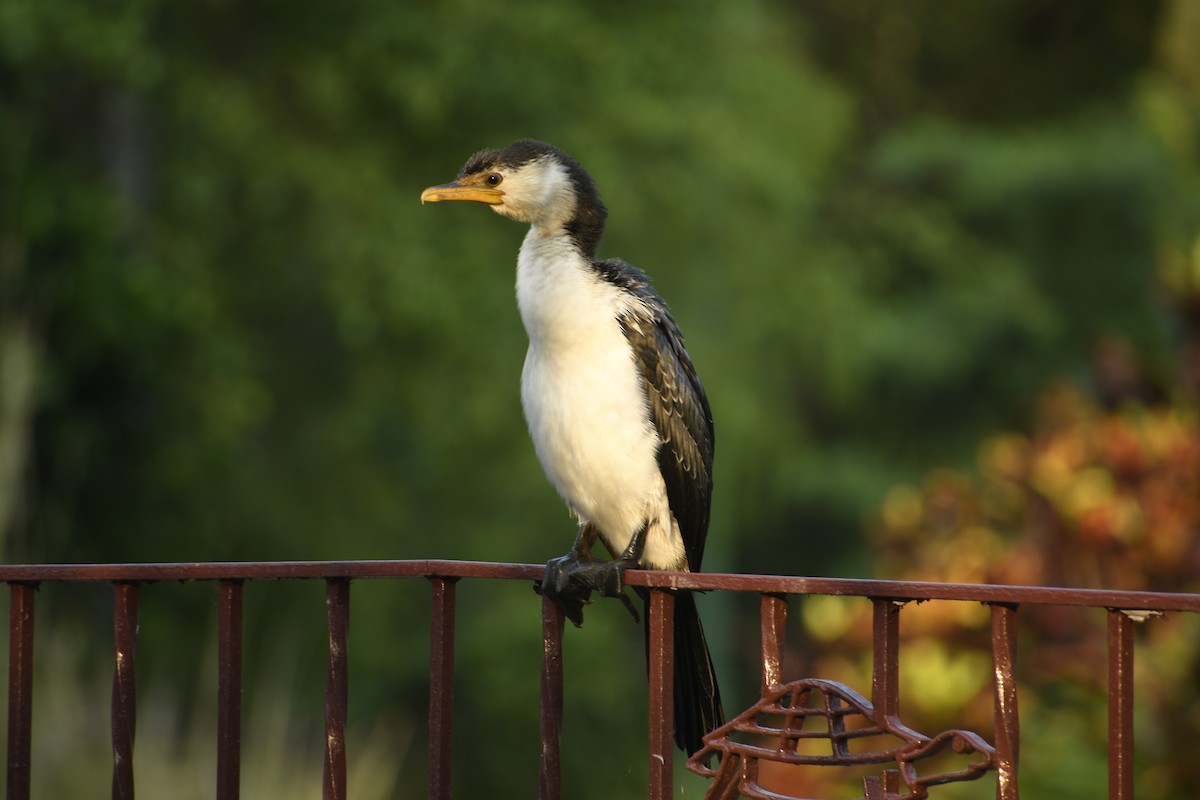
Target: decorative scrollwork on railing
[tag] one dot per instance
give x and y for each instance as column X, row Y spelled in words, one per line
column 819, row 722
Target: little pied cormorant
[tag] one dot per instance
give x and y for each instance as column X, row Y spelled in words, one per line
column 619, row 419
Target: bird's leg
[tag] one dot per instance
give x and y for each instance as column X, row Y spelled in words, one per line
column 559, row 582
column 571, row 579
column 612, row 573
column 637, row 545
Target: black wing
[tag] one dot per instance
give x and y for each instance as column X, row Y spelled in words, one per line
column 678, row 407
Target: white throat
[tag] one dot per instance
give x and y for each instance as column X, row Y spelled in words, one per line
column 540, row 193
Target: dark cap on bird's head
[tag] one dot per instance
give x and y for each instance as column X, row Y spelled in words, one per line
column 515, row 156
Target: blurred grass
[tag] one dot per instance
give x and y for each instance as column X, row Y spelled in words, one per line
column 175, row 746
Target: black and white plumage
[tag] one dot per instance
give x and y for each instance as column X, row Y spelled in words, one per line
column 618, row 417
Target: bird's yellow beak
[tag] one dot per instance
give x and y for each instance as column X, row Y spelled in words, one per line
column 462, row 191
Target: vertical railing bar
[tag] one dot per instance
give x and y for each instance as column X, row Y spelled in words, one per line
column 441, row 688
column 550, row 773
column 1120, row 706
column 124, row 694
column 885, row 672
column 229, row 690
column 20, row 689
column 660, row 646
column 774, row 622
column 1006, row 715
column 337, row 687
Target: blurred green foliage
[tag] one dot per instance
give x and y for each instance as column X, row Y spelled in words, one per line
column 228, row 330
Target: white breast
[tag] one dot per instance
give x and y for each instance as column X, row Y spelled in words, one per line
column 584, row 400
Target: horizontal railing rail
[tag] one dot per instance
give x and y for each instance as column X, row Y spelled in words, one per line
column 1124, row 608
column 698, row 581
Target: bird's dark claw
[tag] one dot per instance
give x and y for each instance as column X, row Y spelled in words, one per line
column 557, row 584
column 570, row 580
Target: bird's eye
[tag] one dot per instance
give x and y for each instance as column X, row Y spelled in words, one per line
column 494, row 179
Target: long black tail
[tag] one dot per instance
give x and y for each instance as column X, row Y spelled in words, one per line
column 697, row 697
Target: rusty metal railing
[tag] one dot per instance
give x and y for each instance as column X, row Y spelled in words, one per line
column 889, row 597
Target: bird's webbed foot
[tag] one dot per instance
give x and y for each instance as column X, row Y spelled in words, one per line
column 570, row 580
column 560, row 584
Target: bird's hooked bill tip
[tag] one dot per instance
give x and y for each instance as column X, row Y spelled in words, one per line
column 458, row 191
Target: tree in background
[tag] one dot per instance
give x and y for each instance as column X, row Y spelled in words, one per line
column 1096, row 497
column 227, row 330
column 242, row 337
column 1102, row 490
